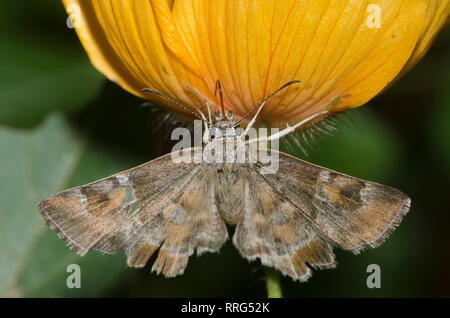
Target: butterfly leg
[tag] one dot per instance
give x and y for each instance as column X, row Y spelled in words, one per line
column 205, row 122
column 209, row 112
column 287, row 130
column 251, row 122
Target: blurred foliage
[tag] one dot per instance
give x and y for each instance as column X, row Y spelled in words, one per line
column 37, row 164
column 440, row 119
column 63, row 125
column 41, row 66
column 374, row 146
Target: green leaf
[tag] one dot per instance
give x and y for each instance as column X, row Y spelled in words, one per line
column 33, row 85
column 37, row 164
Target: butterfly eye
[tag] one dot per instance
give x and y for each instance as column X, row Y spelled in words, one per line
column 212, row 134
column 230, row 115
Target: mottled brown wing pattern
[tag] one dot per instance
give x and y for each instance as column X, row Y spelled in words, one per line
column 160, row 204
column 351, row 213
column 290, row 219
column 293, row 218
column 189, row 222
column 273, row 229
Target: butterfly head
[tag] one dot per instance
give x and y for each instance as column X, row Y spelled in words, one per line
column 223, row 128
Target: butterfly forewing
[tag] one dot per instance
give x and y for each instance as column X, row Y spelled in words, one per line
column 160, row 204
column 293, row 218
column 349, row 212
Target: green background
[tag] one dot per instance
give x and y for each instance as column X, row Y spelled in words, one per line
column 62, row 125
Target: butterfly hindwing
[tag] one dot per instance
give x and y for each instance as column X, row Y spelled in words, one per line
column 192, row 223
column 275, row 231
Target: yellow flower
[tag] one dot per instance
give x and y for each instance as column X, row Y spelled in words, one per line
column 343, row 51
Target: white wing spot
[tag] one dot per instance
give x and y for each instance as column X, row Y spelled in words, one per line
column 324, row 176
column 123, row 180
column 82, row 197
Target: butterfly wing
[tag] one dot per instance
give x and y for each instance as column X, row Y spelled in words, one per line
column 160, row 204
column 352, row 213
column 190, row 222
column 296, row 215
column 272, row 229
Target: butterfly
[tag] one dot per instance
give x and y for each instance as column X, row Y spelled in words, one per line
column 291, row 219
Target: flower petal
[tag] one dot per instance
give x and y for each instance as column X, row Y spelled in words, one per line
column 437, row 16
column 255, row 46
column 137, row 45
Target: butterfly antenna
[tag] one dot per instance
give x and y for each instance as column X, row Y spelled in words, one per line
column 265, row 100
column 176, row 103
column 219, row 87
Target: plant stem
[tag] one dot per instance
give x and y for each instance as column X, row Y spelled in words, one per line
column 273, row 283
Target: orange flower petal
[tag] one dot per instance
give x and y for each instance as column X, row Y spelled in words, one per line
column 137, row 45
column 335, row 47
column 437, row 17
